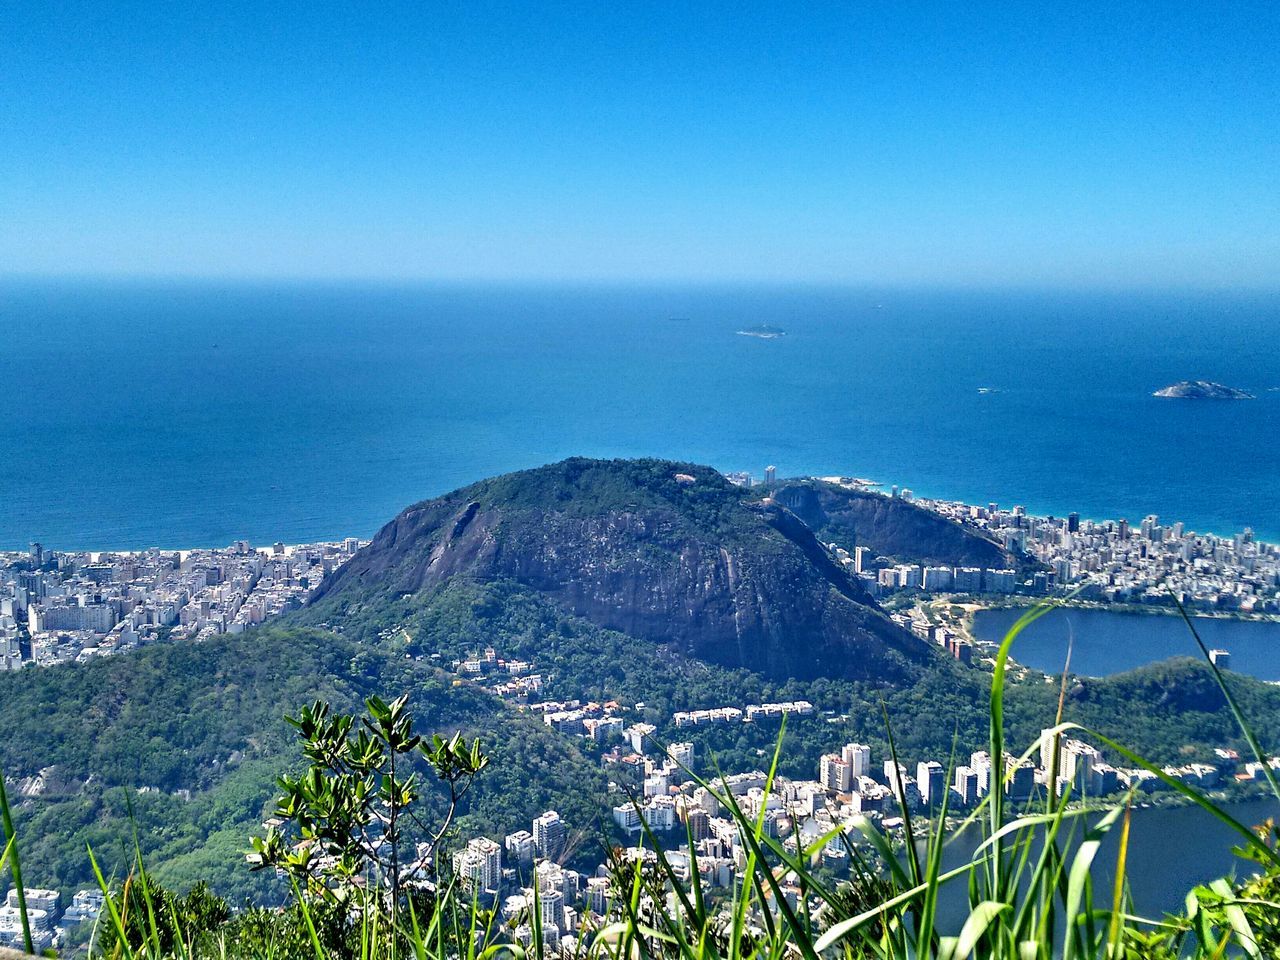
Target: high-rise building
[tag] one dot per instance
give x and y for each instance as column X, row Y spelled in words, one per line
column 863, row 557
column 598, row 895
column 627, row 816
column 1021, row 779
column 931, row 782
column 834, row 774
column 980, row 764
column 1080, row 759
column 549, row 835
column 936, row 578
column 1001, row 581
column 552, row 905
column 681, row 753
column 858, row 757
column 1104, row 779
column 967, row 580
column 895, row 775
column 520, row 849
column 1051, row 751
column 699, row 823
column 479, row 865
column 966, row 785
column 770, row 475
column 1073, row 523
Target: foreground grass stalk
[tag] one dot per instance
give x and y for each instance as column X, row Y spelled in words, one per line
column 15, row 863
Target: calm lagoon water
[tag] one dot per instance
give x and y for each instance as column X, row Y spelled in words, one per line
column 1105, row 641
column 1158, row 882
column 188, row 414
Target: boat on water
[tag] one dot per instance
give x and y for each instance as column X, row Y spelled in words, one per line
column 762, row 332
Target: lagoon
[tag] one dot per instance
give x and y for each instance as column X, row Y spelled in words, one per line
column 1104, row 642
column 1171, row 850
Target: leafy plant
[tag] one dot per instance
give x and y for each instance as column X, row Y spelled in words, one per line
column 340, row 825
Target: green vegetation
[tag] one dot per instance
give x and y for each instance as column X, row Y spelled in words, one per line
column 1172, row 711
column 210, row 720
column 667, row 553
column 1030, row 884
column 891, row 527
column 344, row 818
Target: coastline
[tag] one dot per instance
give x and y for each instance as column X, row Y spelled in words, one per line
column 938, row 610
column 1015, row 602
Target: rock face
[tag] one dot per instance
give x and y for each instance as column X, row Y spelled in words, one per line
column 664, row 552
column 1202, row 390
column 889, row 526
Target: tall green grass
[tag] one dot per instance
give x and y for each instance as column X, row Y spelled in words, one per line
column 1029, row 887
column 14, row 863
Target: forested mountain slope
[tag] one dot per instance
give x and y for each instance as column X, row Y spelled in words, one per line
column 890, row 526
column 665, row 552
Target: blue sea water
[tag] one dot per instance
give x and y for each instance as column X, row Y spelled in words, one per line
column 181, row 414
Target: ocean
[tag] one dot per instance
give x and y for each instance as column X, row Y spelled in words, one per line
column 193, row 414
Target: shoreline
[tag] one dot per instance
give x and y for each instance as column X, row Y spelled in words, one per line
column 1034, row 508
column 936, row 610
column 1137, row 609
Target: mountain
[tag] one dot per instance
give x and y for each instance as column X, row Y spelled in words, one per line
column 889, row 526
column 668, row 553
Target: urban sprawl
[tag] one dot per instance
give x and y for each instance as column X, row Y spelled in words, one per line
column 58, row 607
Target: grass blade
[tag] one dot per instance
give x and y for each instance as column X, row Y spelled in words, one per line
column 1241, row 722
column 15, row 864
column 1117, row 896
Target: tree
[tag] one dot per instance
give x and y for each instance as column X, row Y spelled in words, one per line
column 339, row 830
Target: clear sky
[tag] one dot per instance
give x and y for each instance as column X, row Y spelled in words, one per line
column 1054, row 144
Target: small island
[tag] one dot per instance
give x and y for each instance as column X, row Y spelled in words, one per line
column 1202, row 390
column 762, row 332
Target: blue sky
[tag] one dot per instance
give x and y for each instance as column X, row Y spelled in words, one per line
column 950, row 144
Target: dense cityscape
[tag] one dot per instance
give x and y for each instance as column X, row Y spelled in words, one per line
column 58, row 607
column 1113, row 561
column 797, row 813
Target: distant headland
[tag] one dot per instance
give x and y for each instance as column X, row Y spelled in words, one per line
column 1202, row 390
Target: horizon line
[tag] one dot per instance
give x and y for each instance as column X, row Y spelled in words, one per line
column 595, row 281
